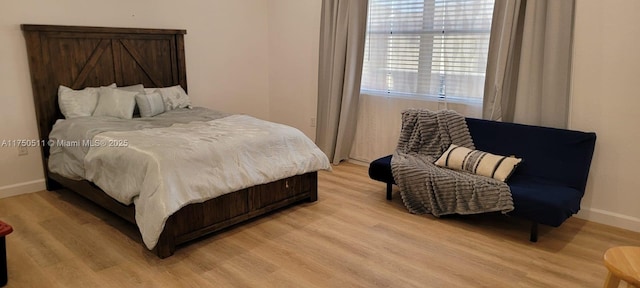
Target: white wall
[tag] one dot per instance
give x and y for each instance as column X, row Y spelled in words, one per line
column 226, row 54
column 294, row 35
column 605, row 99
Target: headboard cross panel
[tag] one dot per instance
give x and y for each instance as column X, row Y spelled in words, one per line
column 91, row 63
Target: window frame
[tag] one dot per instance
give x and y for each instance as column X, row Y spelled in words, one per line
column 426, row 54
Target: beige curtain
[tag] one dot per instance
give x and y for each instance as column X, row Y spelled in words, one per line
column 529, row 62
column 342, row 37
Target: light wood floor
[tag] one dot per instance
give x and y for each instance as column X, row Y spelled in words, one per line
column 351, row 237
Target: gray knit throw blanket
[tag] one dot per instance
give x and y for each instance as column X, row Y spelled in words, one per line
column 427, row 188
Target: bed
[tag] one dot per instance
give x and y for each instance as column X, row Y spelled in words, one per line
column 78, row 57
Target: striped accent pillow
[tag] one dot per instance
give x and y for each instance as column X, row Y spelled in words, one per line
column 478, row 162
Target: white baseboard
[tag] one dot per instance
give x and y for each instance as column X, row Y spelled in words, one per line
column 358, row 162
column 610, row 218
column 22, row 188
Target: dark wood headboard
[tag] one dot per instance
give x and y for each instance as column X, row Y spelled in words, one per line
column 78, row 57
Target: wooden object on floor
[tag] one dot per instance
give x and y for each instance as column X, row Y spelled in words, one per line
column 78, row 57
column 623, row 264
column 5, row 229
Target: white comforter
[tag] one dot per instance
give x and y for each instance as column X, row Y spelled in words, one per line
column 163, row 169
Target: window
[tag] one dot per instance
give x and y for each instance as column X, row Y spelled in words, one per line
column 427, row 48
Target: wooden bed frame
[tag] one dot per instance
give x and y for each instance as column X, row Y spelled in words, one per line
column 79, row 57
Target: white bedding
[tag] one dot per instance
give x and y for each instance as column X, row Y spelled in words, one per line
column 68, row 137
column 163, row 169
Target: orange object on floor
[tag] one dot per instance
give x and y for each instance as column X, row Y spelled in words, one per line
column 5, row 229
column 623, row 264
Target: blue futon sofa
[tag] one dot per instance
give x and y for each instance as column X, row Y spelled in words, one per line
column 547, row 186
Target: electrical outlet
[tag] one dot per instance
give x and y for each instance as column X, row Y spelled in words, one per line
column 312, row 123
column 22, row 150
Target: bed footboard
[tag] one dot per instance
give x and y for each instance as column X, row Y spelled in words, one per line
column 199, row 219
column 195, row 220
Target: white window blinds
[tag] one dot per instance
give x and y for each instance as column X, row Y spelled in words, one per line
column 421, row 48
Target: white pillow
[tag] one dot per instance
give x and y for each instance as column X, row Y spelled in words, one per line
column 478, row 162
column 174, row 97
column 134, row 88
column 78, row 103
column 115, row 103
column 150, row 104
